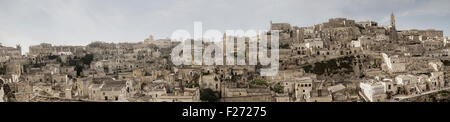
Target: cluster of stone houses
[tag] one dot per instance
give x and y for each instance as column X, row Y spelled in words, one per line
column 340, row 60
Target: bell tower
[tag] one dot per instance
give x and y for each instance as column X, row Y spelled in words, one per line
column 392, row 20
column 393, row 30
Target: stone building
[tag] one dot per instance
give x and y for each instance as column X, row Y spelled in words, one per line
column 303, row 89
column 114, row 90
column 7, row 53
column 210, row 81
column 185, row 95
column 161, row 43
column 48, row 49
column 367, row 24
column 320, row 95
column 373, row 91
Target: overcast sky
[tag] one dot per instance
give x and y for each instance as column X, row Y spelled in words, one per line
column 79, row 22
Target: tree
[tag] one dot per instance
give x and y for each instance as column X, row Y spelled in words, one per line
column 87, row 59
column 79, row 69
column 2, row 70
column 208, row 95
column 80, row 63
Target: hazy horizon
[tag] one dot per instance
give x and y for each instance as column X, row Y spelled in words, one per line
column 79, row 22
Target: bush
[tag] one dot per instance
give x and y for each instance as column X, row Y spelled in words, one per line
column 446, row 62
column 259, row 82
column 284, row 46
column 208, row 95
column 192, row 85
column 51, row 57
column 277, row 88
column 80, row 63
column 389, row 95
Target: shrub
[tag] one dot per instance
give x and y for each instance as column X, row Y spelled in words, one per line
column 259, row 82
column 277, row 88
column 208, row 95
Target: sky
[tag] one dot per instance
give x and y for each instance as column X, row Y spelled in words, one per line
column 79, row 22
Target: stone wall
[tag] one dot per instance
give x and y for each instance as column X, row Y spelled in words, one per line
column 256, row 98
